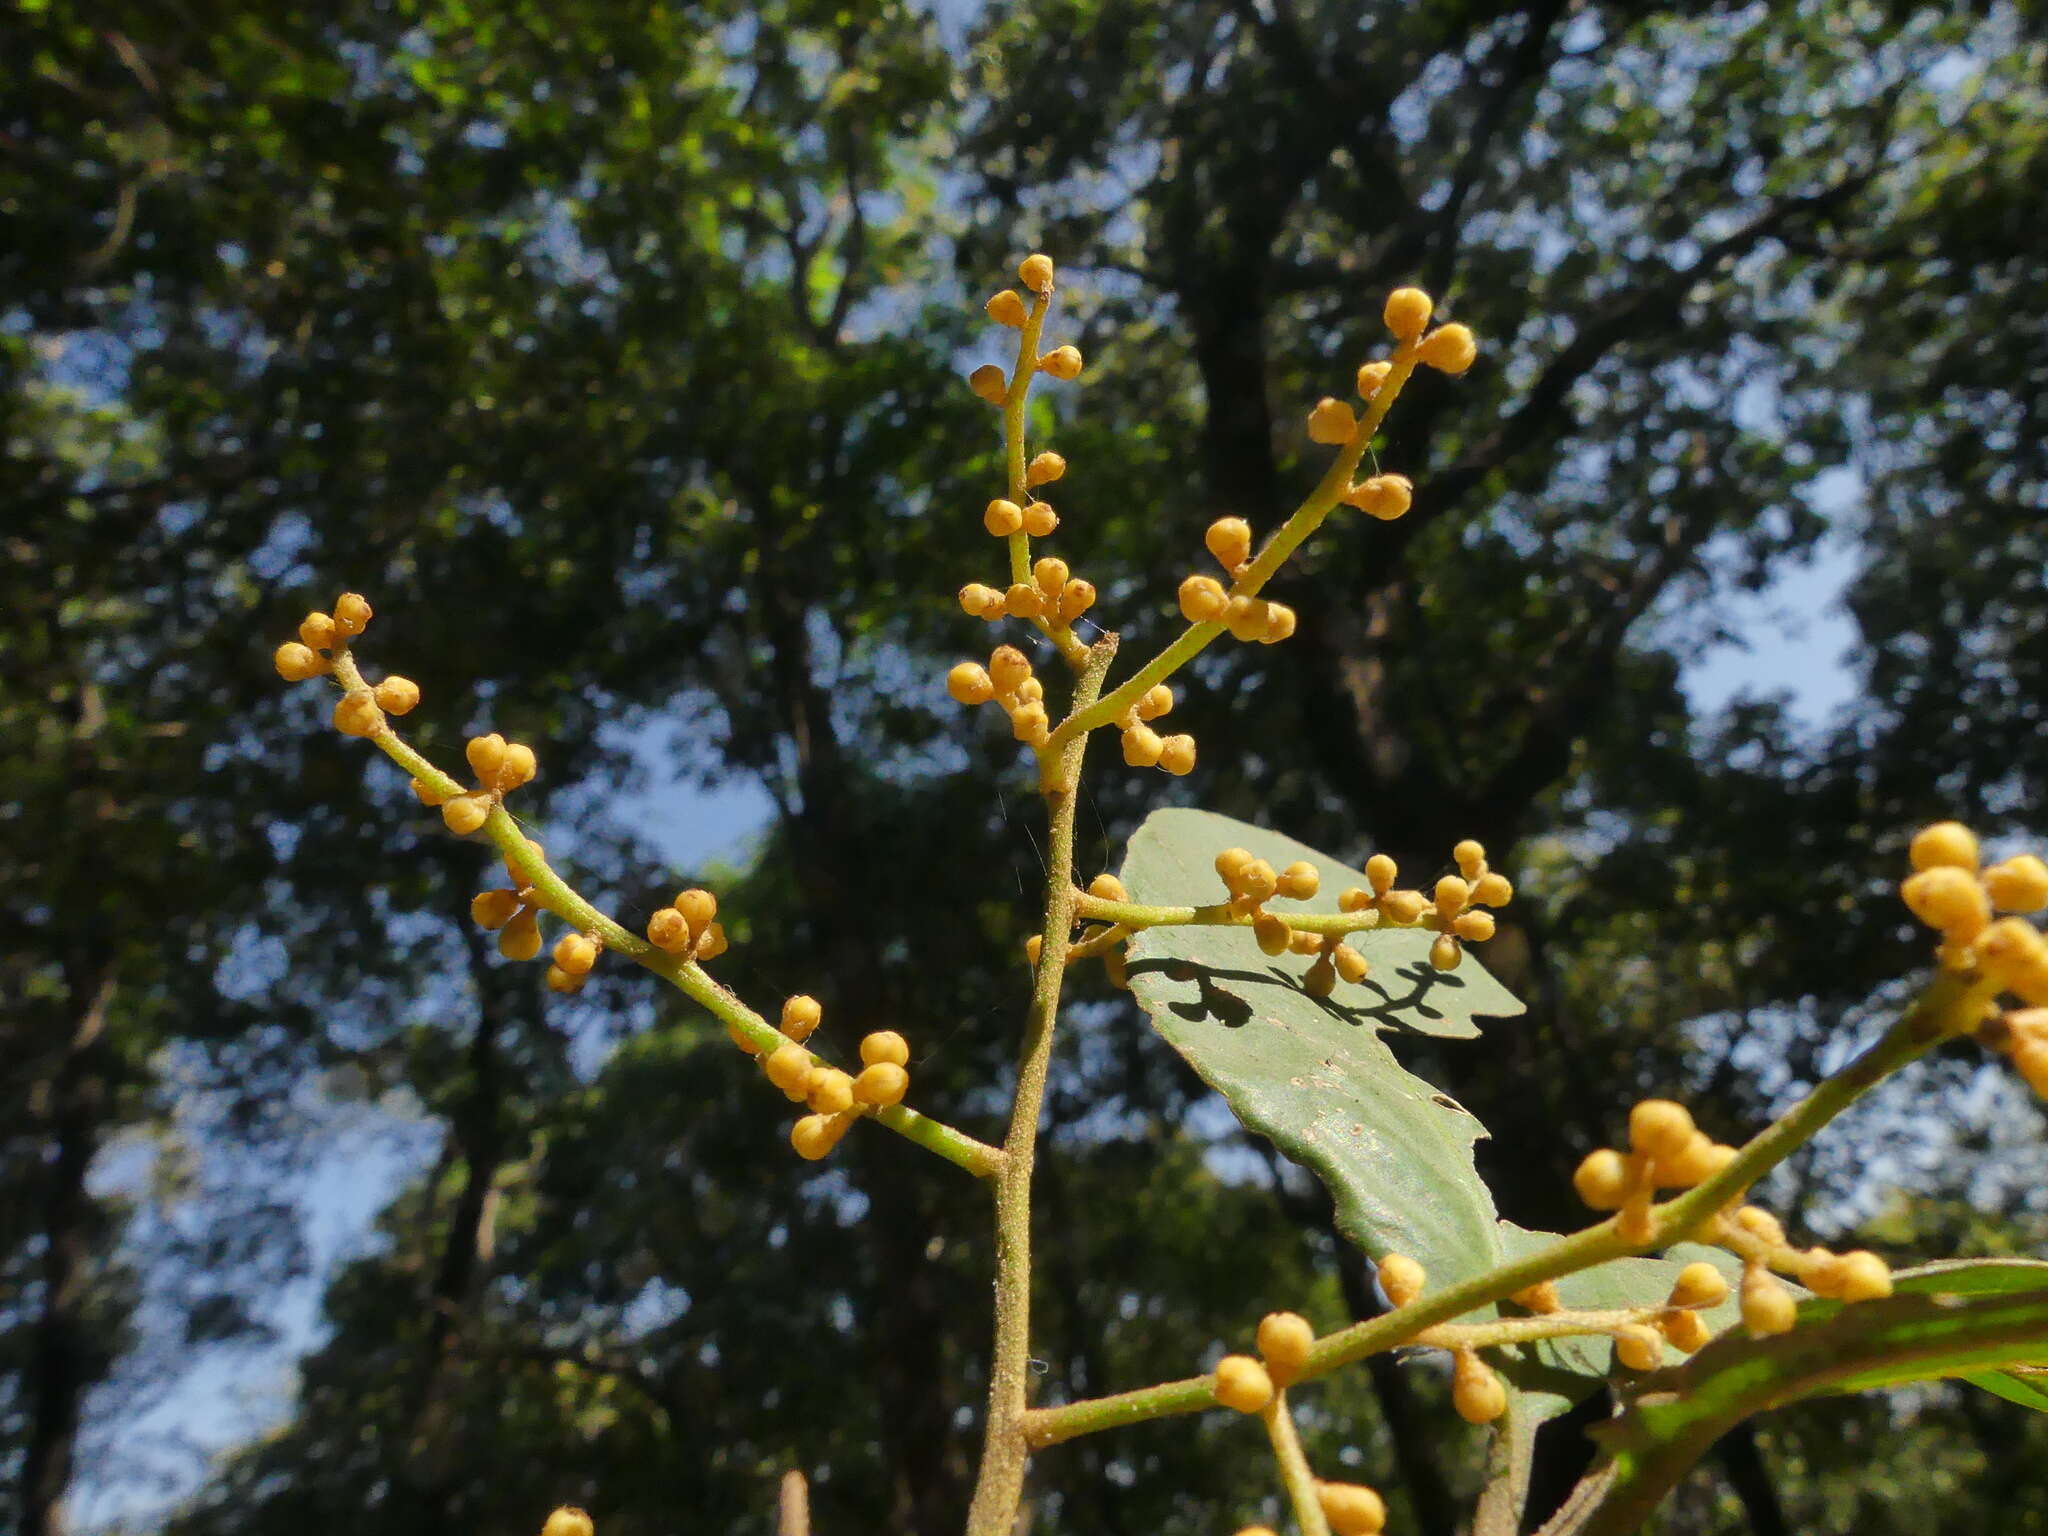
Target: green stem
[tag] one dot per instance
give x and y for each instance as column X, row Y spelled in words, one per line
column 1286, row 539
column 1294, row 1468
column 555, row 894
column 1133, row 914
column 999, row 1488
column 1950, row 1005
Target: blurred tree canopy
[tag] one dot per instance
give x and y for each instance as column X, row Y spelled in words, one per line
column 617, row 355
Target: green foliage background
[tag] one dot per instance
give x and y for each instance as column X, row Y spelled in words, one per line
column 617, row 353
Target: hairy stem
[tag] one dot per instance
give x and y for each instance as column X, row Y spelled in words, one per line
column 999, row 1488
column 1950, row 1005
column 1294, row 1468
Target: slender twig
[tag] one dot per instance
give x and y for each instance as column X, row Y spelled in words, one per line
column 1005, row 1449
column 1949, row 1005
column 1295, row 1472
column 1285, row 540
column 555, row 894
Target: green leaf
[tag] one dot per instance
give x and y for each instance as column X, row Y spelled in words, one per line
column 2026, row 1384
column 1972, row 1320
column 1315, row 1075
column 1317, row 1078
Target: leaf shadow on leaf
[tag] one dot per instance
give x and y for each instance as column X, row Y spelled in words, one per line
column 1215, row 1003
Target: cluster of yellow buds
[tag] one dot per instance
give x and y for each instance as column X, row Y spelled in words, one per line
column 1454, row 911
column 1666, row 1151
column 1003, row 518
column 1640, row 1346
column 1252, row 882
column 322, row 636
column 500, row 766
column 1477, row 1392
column 1951, row 892
column 1757, row 1237
column 1052, row 592
column 689, row 927
column 1249, row 1386
column 1145, row 747
column 1009, row 308
column 1203, row 599
column 513, row 913
column 836, row 1099
column 1009, row 681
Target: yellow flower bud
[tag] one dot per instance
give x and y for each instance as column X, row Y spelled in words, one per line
column 1602, row 1180
column 815, row 1136
column 881, row 1083
column 351, row 614
column 465, row 813
column 789, row 1068
column 1051, row 574
column 1948, row 899
column 1062, row 363
column 1331, row 422
column 1540, row 1298
column 969, row 683
column 1285, row 1338
column 1491, row 890
column 1024, row 601
column 1177, row 755
column 1401, row 1278
column 518, row 767
column 1242, row 1383
column 1229, row 539
column 884, row 1046
column 1155, row 701
column 1767, row 1307
column 397, row 695
column 698, row 907
column 1030, row 724
column 988, row 382
column 1370, row 377
column 1299, row 881
column 1006, row 308
column 1687, row 1331
column 1142, row 746
column 712, row 942
column 1040, row 519
column 520, row 938
column 494, row 909
column 1352, row 1509
column 1638, row 1347
column 1002, row 518
column 568, row 1521
column 1407, row 312
column 486, row 756
column 1044, row 469
column 1203, row 600
column 295, row 662
column 357, row 714
column 1385, row 497
column 1351, row 965
column 1076, row 598
column 1271, row 932
column 1381, row 871
column 1280, row 622
column 2018, row 885
column 1404, row 906
column 317, row 630
column 1476, row 1392
column 575, row 954
column 980, row 602
column 1449, row 348
column 1699, row 1285
column 668, row 931
column 1758, row 1222
column 1699, row 1160
column 1008, row 667
column 828, row 1090
column 559, row 980
column 1473, row 927
column 1035, row 272
column 1944, row 843
column 1864, row 1277
column 1446, row 952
